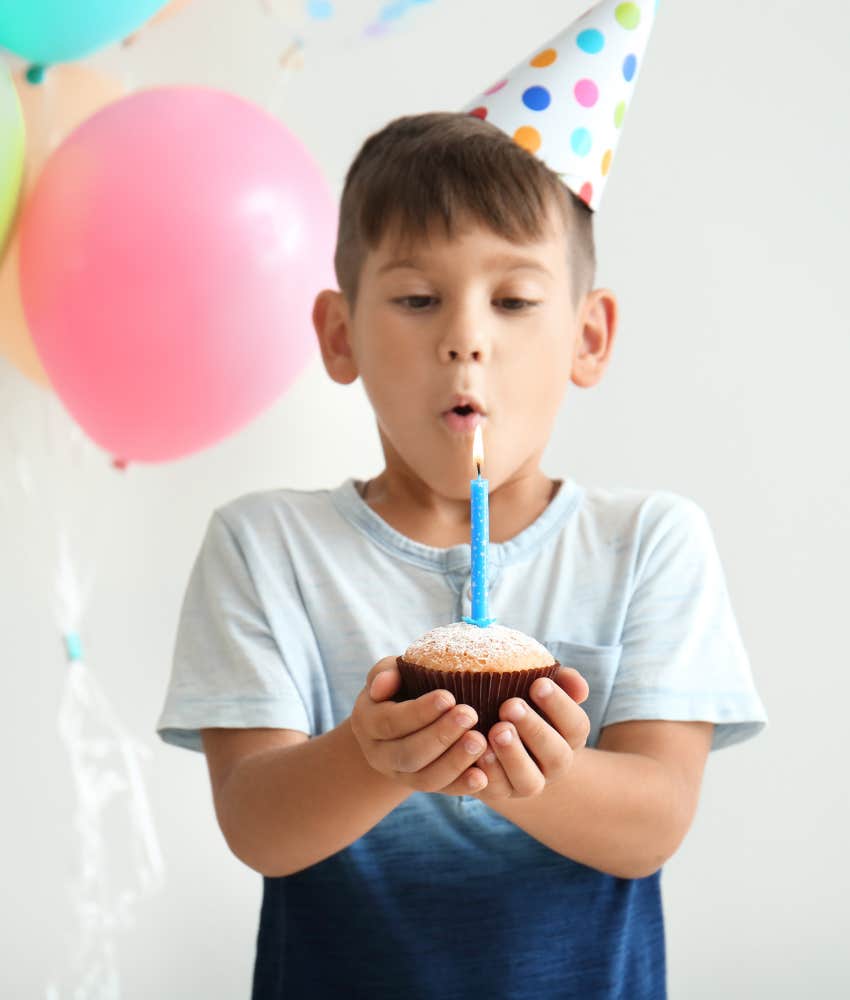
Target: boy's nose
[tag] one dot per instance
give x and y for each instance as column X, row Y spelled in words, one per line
column 463, row 347
column 464, row 334
column 473, row 355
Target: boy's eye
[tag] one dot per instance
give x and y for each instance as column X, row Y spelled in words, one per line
column 417, row 303
column 517, row 305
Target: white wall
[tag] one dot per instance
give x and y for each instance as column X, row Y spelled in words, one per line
column 723, row 231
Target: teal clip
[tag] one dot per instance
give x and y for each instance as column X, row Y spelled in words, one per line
column 480, row 622
column 35, row 73
column 73, row 647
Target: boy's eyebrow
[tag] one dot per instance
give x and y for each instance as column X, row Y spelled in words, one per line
column 502, row 262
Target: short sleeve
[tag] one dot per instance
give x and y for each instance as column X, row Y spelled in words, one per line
column 227, row 670
column 683, row 658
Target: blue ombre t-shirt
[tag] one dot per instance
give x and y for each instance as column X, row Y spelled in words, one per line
column 295, row 595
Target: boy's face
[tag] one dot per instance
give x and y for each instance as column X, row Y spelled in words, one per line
column 475, row 318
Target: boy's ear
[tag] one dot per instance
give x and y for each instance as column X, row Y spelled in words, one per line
column 332, row 322
column 597, row 327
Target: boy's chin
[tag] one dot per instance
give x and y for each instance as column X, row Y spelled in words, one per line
column 456, row 486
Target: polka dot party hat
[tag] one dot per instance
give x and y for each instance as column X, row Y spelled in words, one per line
column 567, row 102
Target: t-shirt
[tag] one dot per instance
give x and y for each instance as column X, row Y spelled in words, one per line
column 295, row 595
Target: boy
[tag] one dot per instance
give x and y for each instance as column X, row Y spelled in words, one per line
column 404, row 855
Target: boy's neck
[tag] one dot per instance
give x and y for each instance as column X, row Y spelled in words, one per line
column 440, row 522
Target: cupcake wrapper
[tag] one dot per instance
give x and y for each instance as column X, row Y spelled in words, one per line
column 484, row 690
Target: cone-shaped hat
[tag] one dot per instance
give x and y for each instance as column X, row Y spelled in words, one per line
column 567, row 102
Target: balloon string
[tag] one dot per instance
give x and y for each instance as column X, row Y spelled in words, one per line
column 119, row 859
column 112, row 816
column 46, row 87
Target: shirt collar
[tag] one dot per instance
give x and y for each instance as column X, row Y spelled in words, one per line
column 348, row 502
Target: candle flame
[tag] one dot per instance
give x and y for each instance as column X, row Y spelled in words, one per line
column 478, row 448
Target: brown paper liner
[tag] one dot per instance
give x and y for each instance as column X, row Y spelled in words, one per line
column 484, row 690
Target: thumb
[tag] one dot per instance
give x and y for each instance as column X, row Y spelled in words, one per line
column 385, row 682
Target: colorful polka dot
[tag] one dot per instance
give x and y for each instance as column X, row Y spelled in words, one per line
column 581, row 141
column 628, row 15
column 496, row 87
column 586, row 192
column 528, row 138
column 587, row 93
column 536, row 98
column 591, row 41
column 629, row 67
column 606, row 162
column 544, row 58
column 479, row 113
column 619, row 113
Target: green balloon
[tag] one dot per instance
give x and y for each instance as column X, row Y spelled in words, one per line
column 11, row 152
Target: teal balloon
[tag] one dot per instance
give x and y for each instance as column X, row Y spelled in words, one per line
column 53, row 31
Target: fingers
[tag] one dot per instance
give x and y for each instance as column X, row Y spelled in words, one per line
column 528, row 749
column 573, row 683
column 424, row 741
column 559, row 706
column 471, row 782
column 414, row 753
column 532, row 750
column 524, row 776
column 498, row 783
column 424, row 744
column 389, row 720
column 453, row 773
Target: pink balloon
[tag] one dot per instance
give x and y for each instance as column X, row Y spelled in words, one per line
column 170, row 254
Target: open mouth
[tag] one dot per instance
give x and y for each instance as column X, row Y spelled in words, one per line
column 463, row 419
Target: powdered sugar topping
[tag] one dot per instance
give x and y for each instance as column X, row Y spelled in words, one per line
column 461, row 646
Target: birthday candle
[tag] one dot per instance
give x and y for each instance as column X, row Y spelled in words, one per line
column 480, row 520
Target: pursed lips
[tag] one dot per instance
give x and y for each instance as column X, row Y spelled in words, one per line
column 463, row 419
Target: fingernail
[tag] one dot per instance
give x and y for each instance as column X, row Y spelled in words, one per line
column 489, row 757
column 471, row 745
column 464, row 718
column 504, row 738
column 515, row 712
column 544, row 689
column 444, row 701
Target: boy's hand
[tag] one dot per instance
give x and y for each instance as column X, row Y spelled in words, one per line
column 423, row 743
column 512, row 772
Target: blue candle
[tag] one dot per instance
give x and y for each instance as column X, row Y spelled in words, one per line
column 480, row 520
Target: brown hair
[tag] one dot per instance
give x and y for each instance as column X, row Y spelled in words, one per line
column 452, row 166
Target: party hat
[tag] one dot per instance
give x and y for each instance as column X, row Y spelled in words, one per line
column 567, row 102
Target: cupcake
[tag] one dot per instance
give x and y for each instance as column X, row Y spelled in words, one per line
column 482, row 667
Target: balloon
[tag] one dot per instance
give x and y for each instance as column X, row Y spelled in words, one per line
column 170, row 254
column 52, row 31
column 11, row 153
column 169, row 10
column 69, row 94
